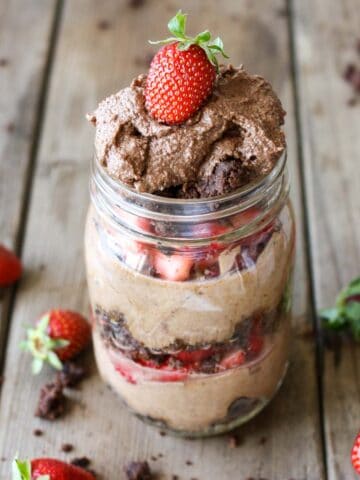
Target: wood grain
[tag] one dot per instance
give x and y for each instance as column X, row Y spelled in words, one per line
column 326, row 33
column 91, row 62
column 23, row 59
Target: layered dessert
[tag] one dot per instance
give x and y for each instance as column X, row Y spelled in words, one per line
column 190, row 241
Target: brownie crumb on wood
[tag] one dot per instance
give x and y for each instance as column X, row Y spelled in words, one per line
column 189, row 462
column 67, row 447
column 82, row 462
column 52, row 402
column 138, row 471
column 37, row 432
column 71, row 375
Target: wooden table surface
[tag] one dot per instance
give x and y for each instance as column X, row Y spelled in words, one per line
column 58, row 59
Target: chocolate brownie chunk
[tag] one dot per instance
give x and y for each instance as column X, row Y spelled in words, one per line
column 71, row 374
column 52, row 402
column 138, row 471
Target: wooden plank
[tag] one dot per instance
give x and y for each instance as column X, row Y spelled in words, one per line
column 23, row 60
column 103, row 61
column 325, row 36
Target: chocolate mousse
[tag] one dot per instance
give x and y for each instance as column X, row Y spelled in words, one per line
column 233, row 139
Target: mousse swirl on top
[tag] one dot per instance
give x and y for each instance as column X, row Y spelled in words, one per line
column 234, row 138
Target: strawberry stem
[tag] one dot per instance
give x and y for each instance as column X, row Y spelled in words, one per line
column 42, row 347
column 177, row 26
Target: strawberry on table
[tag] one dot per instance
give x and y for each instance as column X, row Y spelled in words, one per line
column 10, row 267
column 355, row 454
column 58, row 336
column 48, row 469
column 182, row 73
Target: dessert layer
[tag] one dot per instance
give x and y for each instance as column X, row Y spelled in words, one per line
column 244, row 346
column 234, row 138
column 159, row 312
column 184, row 405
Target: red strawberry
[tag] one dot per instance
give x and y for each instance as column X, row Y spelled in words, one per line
column 48, row 469
column 194, row 356
column 181, row 74
column 59, row 336
column 256, row 340
column 233, row 359
column 10, row 267
column 355, row 454
column 174, row 267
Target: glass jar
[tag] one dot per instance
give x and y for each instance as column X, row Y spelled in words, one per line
column 191, row 300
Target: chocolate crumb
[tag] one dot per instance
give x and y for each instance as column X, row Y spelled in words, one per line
column 71, row 374
column 67, row 447
column 153, row 458
column 174, row 477
column 82, row 462
column 262, row 440
column 138, row 471
column 4, row 62
column 10, row 127
column 136, row 3
column 189, row 462
column 352, row 102
column 103, row 25
column 51, row 404
column 162, row 433
column 37, row 432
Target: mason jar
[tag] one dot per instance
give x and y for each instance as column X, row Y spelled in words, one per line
column 191, row 299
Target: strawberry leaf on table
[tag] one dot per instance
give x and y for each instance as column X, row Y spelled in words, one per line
column 346, row 313
column 21, row 470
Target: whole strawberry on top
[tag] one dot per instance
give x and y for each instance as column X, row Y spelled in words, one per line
column 182, row 73
column 58, row 336
column 48, row 469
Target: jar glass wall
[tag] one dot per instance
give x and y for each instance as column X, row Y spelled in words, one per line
column 191, row 300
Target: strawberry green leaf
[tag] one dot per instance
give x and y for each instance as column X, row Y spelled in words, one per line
column 21, row 470
column 203, row 37
column 163, row 42
column 346, row 314
column 177, row 25
column 36, row 366
column 42, row 347
column 54, row 360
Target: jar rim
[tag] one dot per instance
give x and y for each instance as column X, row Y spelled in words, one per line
column 206, row 204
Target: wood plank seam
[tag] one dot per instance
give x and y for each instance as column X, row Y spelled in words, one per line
column 306, row 226
column 10, row 297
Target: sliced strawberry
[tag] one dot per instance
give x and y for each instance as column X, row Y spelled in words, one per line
column 134, row 372
column 233, row 359
column 243, row 218
column 194, row 356
column 256, row 340
column 174, row 267
column 355, row 454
